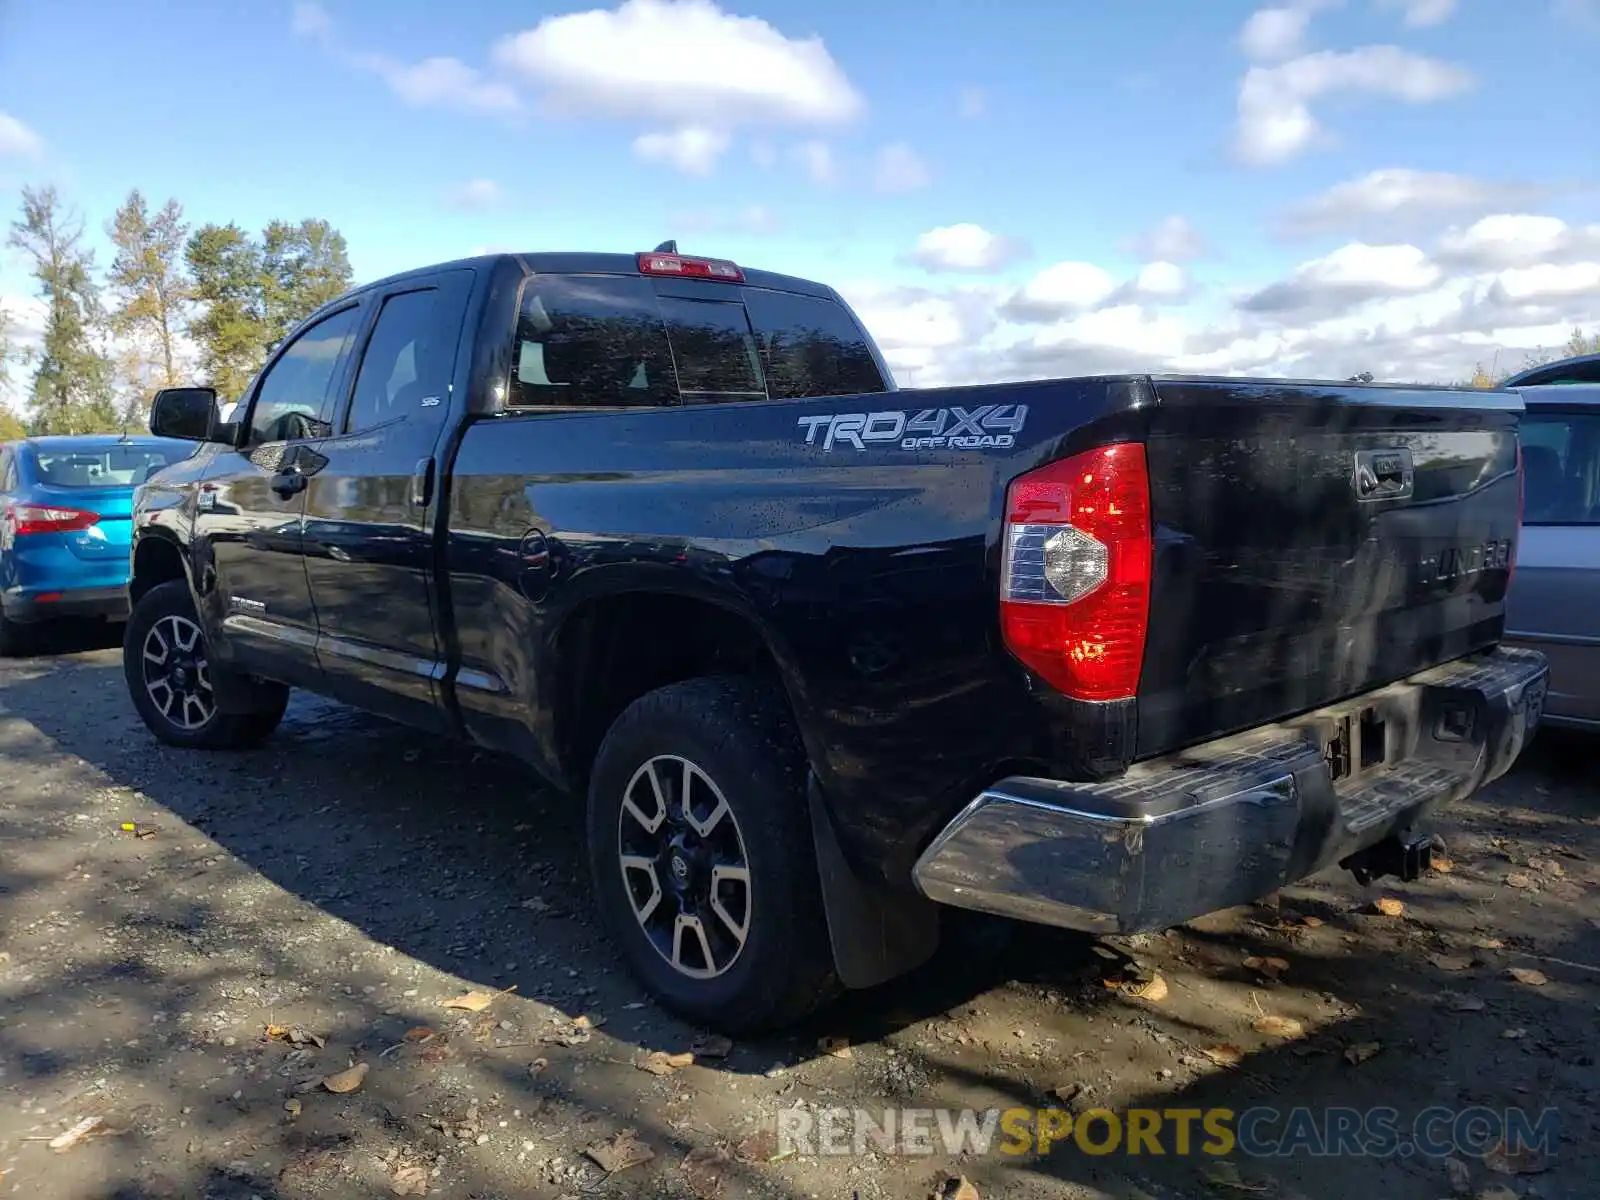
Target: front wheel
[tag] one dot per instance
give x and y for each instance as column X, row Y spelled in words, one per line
column 169, row 674
column 700, row 848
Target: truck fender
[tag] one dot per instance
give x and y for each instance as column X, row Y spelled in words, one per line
column 876, row 932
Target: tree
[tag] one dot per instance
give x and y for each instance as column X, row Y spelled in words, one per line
column 147, row 280
column 72, row 386
column 225, row 274
column 1579, row 344
column 302, row 267
column 11, row 426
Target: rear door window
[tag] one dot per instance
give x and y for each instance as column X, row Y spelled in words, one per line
column 103, row 466
column 810, row 346
column 1561, row 468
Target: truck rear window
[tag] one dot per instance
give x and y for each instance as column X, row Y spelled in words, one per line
column 611, row 341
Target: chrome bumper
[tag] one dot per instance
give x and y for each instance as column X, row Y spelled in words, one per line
column 1233, row 820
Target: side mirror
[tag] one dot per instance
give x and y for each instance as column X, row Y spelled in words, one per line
column 187, row 413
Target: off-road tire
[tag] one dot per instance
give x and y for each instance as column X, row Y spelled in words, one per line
column 740, row 735
column 221, row 730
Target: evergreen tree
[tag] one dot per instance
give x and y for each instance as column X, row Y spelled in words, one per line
column 72, row 385
column 147, row 281
column 225, row 276
column 302, row 267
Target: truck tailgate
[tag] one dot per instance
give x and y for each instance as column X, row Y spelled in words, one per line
column 1314, row 541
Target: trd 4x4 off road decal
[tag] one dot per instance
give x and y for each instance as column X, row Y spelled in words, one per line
column 988, row 426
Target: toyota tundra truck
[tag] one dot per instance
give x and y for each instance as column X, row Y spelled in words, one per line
column 824, row 658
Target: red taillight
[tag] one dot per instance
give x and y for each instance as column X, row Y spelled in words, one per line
column 690, row 268
column 35, row 518
column 1075, row 583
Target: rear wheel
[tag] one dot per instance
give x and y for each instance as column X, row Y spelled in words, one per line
column 701, row 852
column 170, row 678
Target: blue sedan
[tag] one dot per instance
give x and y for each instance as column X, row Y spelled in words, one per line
column 64, row 534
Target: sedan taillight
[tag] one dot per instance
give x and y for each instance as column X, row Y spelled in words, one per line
column 25, row 519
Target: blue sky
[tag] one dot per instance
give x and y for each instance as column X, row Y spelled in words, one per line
column 1044, row 133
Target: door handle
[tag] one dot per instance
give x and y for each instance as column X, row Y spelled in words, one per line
column 422, row 482
column 288, row 481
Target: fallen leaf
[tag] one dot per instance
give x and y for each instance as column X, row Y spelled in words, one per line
column 1153, row 989
column 1388, row 906
column 838, row 1047
column 138, row 831
column 956, row 1188
column 1518, row 880
column 1279, row 1027
column 69, row 1139
column 1225, row 1175
column 1524, row 1160
column 1467, row 1004
column 711, row 1045
column 703, row 1169
column 1528, row 976
column 1547, row 866
column 1311, row 922
column 1067, row 1092
column 619, row 1152
column 659, row 1062
column 292, row 1107
column 1360, row 1052
column 1460, row 1176
column 420, row 1033
column 1106, row 952
column 410, row 1181
column 471, row 1001
column 759, row 1147
column 538, row 1066
column 1442, row 864
column 1450, row 962
column 1224, row 1055
column 1489, row 944
column 348, row 1080
column 295, row 1036
column 1272, row 968
column 1514, row 1035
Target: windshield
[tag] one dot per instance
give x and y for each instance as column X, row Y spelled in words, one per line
column 115, row 465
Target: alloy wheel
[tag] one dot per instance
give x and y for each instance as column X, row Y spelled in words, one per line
column 176, row 674
column 684, row 866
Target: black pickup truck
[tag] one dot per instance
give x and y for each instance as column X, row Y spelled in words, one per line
column 825, row 657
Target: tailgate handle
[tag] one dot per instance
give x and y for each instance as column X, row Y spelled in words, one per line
column 422, row 482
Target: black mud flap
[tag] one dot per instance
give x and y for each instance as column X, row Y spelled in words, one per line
column 877, row 932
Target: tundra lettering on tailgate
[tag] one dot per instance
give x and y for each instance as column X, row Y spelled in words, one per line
column 953, row 428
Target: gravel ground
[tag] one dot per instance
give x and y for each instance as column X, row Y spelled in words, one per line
column 280, row 916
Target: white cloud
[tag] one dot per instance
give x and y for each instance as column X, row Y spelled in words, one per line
column 1422, row 14
column 694, row 150
column 899, row 169
column 443, row 81
column 1173, row 239
column 684, row 62
column 475, row 194
column 1058, row 290
column 311, row 21
column 1275, row 122
column 1548, row 281
column 816, row 159
column 1518, row 239
column 972, row 102
column 1161, row 281
column 966, row 247
column 1375, row 319
column 1274, row 33
column 1394, row 195
column 17, row 139
column 1353, row 273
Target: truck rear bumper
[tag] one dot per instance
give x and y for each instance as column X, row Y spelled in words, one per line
column 1233, row 820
